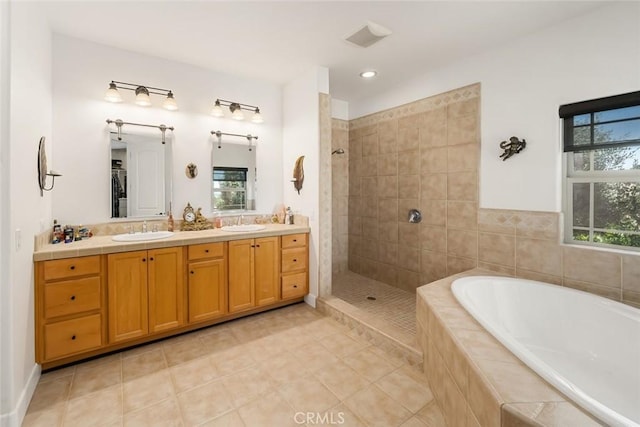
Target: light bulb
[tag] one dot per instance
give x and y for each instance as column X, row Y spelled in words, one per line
column 217, row 111
column 112, row 94
column 368, row 74
column 236, row 112
column 170, row 102
column 142, row 96
column 257, row 117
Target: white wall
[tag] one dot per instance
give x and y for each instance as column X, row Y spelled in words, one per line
column 523, row 84
column 30, row 118
column 301, row 137
column 81, row 73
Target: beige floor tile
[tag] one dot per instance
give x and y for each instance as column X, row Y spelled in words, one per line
column 51, row 415
column 144, row 391
column 230, row 419
column 375, row 408
column 191, row 374
column 261, row 350
column 162, row 414
column 144, row 363
column 204, row 403
column 413, row 422
column 308, row 394
column 246, row 385
column 50, row 393
column 136, row 351
column 341, row 345
column 232, row 360
column 57, row 373
column 271, row 410
column 339, row 415
column 322, row 327
column 183, row 349
column 102, row 407
column 315, row 357
column 284, row 367
column 93, row 377
column 214, row 340
column 341, row 380
column 405, row 390
column 431, row 415
column 369, row 365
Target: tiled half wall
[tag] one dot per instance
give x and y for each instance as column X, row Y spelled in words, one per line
column 340, row 195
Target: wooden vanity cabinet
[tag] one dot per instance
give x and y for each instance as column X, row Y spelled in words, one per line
column 70, row 307
column 253, row 273
column 207, row 281
column 295, row 269
column 146, row 292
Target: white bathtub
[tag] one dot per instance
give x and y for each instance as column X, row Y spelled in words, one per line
column 587, row 346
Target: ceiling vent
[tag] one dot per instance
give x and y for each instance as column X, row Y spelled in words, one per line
column 368, row 35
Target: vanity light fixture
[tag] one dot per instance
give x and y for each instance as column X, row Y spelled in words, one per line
column 368, row 74
column 219, row 134
column 236, row 110
column 142, row 94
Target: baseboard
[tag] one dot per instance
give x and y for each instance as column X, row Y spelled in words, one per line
column 310, row 299
column 15, row 417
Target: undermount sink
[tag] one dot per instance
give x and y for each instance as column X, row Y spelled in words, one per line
column 244, row 227
column 142, row 237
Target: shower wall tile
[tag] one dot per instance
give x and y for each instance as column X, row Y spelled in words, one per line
column 370, row 145
column 497, row 221
column 538, row 225
column 434, row 212
column 463, row 158
column 497, row 249
column 433, row 238
column 542, row 256
column 388, row 137
column 433, row 186
column 412, row 121
column 463, row 129
column 540, row 277
column 409, row 234
column 603, row 291
column 408, row 162
column 597, row 267
column 388, row 209
column 457, row 265
column 408, row 139
column 388, row 187
column 388, row 253
column 433, row 160
column 408, row 186
column 388, row 231
column 631, row 273
column 408, row 258
column 462, row 215
column 408, row 280
column 462, row 243
column 369, row 166
column 433, row 266
column 388, row 164
column 462, row 186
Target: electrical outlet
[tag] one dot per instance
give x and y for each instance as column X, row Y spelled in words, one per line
column 18, row 236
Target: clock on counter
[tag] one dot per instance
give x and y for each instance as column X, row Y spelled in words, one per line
column 194, row 220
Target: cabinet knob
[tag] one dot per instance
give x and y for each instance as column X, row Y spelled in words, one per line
column 144, row 259
column 151, row 259
column 192, row 272
column 253, row 246
column 206, row 251
column 295, row 240
column 73, row 267
column 295, row 286
column 257, row 246
column 295, row 260
column 73, row 337
column 73, row 297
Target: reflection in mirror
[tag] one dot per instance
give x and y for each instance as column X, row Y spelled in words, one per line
column 140, row 175
column 234, row 177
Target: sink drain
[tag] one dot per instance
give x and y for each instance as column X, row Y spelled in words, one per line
column 371, row 298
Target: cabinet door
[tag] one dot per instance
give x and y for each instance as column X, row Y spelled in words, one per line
column 127, row 287
column 207, row 290
column 166, row 289
column 266, row 270
column 241, row 275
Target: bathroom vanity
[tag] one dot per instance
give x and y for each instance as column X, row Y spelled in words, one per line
column 97, row 295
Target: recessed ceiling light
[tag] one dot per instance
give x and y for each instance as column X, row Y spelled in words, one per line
column 368, row 74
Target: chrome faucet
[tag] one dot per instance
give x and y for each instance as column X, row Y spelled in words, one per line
column 144, row 227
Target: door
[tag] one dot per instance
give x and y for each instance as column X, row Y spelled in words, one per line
column 166, row 289
column 266, row 270
column 207, row 290
column 127, row 288
column 241, row 275
column 145, row 178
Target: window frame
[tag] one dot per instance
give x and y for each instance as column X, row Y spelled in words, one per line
column 228, row 189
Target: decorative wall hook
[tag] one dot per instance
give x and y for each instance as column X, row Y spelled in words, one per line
column 298, row 174
column 514, row 146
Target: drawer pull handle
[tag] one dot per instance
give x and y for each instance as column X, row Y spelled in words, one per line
column 193, row 272
column 73, row 267
column 73, row 297
column 206, row 251
column 257, row 246
column 73, row 337
column 295, row 240
column 253, row 246
column 295, row 286
column 295, row 260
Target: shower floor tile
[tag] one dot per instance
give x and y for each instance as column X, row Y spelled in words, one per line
column 394, row 305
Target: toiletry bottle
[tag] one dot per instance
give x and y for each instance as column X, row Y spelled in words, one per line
column 170, row 222
column 217, row 220
column 287, row 216
column 55, row 238
column 76, row 233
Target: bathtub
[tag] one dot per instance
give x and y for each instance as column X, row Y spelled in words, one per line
column 587, row 346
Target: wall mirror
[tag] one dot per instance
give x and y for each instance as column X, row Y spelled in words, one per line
column 140, row 175
column 233, row 185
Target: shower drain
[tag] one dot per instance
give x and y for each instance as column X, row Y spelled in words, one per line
column 372, row 298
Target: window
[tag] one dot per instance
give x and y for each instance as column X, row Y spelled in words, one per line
column 602, row 192
column 230, row 188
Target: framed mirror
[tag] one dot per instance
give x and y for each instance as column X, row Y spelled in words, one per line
column 234, row 177
column 140, row 175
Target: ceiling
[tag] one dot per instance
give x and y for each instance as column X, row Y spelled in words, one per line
column 277, row 41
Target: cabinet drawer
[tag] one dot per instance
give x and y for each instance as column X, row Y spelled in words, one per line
column 294, row 285
column 72, row 336
column 294, row 241
column 206, row 250
column 71, row 267
column 294, row 260
column 72, row 296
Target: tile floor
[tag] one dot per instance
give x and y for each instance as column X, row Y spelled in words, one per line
column 287, row 367
column 394, row 305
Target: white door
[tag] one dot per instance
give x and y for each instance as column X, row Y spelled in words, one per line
column 145, row 178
